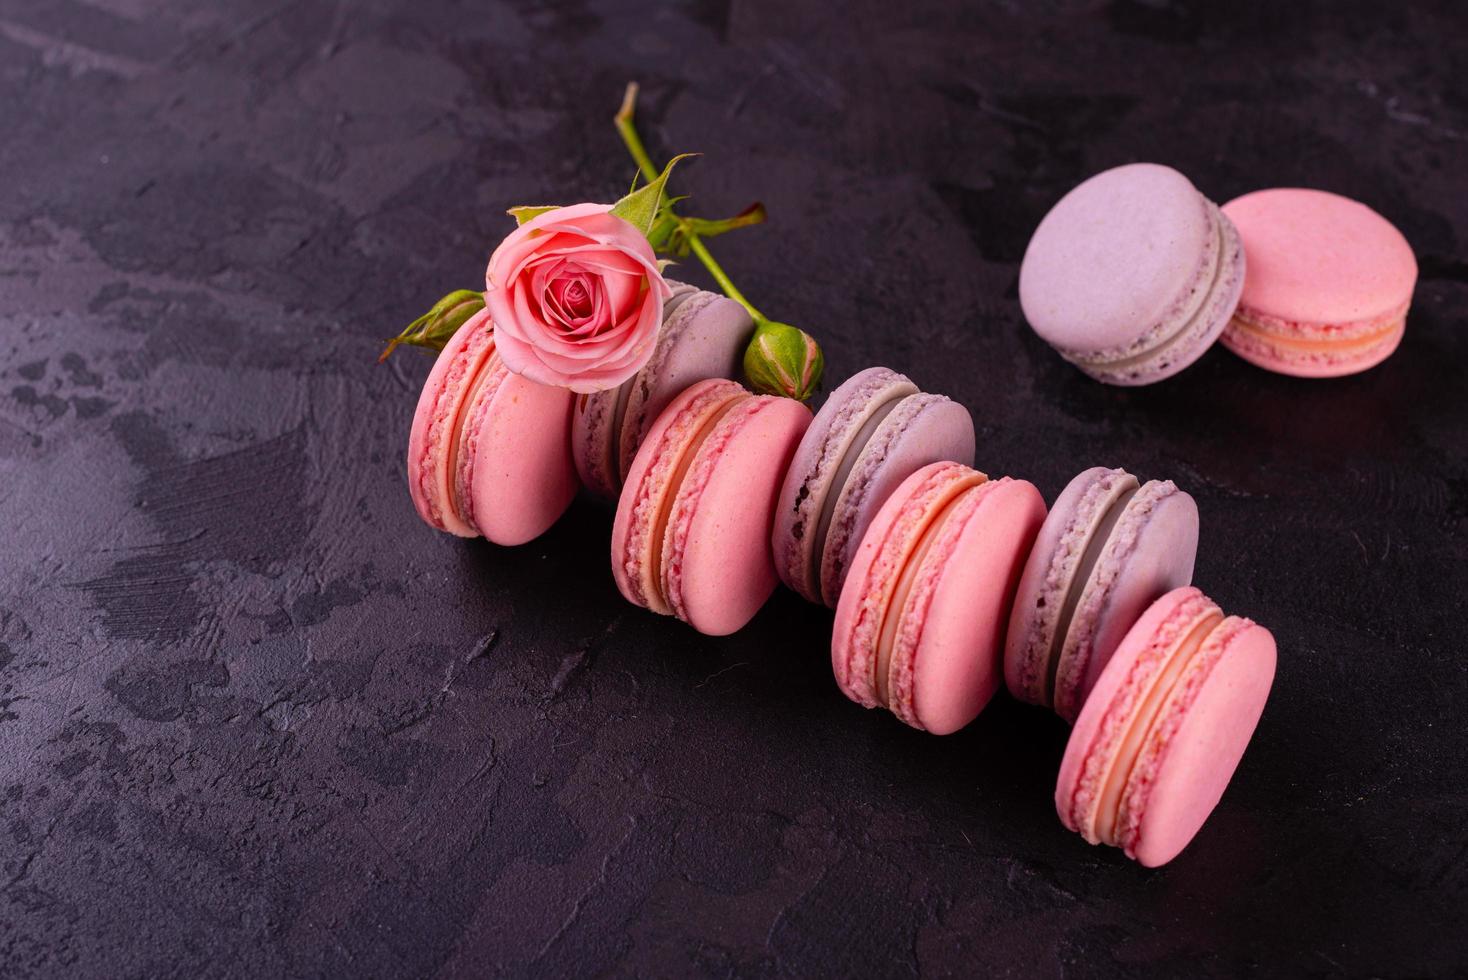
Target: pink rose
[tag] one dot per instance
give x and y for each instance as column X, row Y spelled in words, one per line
column 576, row 297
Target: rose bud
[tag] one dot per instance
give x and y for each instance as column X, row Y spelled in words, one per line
column 783, row 360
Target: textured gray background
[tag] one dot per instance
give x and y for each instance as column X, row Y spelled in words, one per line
column 256, row 719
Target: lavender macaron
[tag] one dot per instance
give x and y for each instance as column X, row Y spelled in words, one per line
column 1110, row 546
column 703, row 336
column 1132, row 275
column 873, row 432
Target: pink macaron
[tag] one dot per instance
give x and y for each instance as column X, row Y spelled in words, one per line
column 488, row 451
column 920, row 623
column 703, row 336
column 1164, row 730
column 692, row 533
column 1110, row 547
column 1132, row 275
column 1329, row 283
column 872, row 433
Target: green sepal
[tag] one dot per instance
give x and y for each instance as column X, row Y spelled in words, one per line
column 525, row 212
column 434, row 328
column 640, row 208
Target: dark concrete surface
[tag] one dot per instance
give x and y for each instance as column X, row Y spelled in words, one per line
column 257, row 720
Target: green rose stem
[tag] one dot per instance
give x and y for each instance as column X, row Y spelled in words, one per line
column 780, row 359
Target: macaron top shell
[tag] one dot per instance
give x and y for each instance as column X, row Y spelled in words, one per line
column 515, row 474
column 1319, row 258
column 1115, row 256
column 716, row 561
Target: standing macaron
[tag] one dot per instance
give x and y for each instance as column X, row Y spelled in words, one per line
column 692, row 532
column 1132, row 275
column 1158, row 741
column 921, row 619
column 488, row 450
column 703, row 336
column 1329, row 283
column 873, row 432
column 1110, row 546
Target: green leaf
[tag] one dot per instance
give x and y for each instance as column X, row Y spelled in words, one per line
column 525, row 212
column 434, row 328
column 640, row 208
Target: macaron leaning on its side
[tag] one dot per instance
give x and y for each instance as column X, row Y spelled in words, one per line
column 873, row 432
column 488, row 452
column 703, row 336
column 920, row 624
column 1132, row 275
column 1164, row 730
column 1329, row 283
column 692, row 533
column 1110, row 546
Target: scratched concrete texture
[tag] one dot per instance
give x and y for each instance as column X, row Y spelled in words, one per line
column 257, row 720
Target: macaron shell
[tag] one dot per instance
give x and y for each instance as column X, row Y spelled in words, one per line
column 705, row 337
column 523, row 475
column 1112, row 256
column 1152, row 551
column 1049, row 575
column 1319, row 258
column 922, row 429
column 726, row 571
column 1200, row 741
column 957, row 664
column 813, row 468
column 435, row 423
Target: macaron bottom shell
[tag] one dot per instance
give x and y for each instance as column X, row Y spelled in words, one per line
column 692, row 530
column 920, row 621
column 1165, row 728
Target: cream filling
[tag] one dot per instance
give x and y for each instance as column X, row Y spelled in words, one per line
column 1189, row 317
column 912, row 564
column 1142, row 721
column 1244, row 324
column 838, row 483
column 1076, row 588
column 670, row 495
